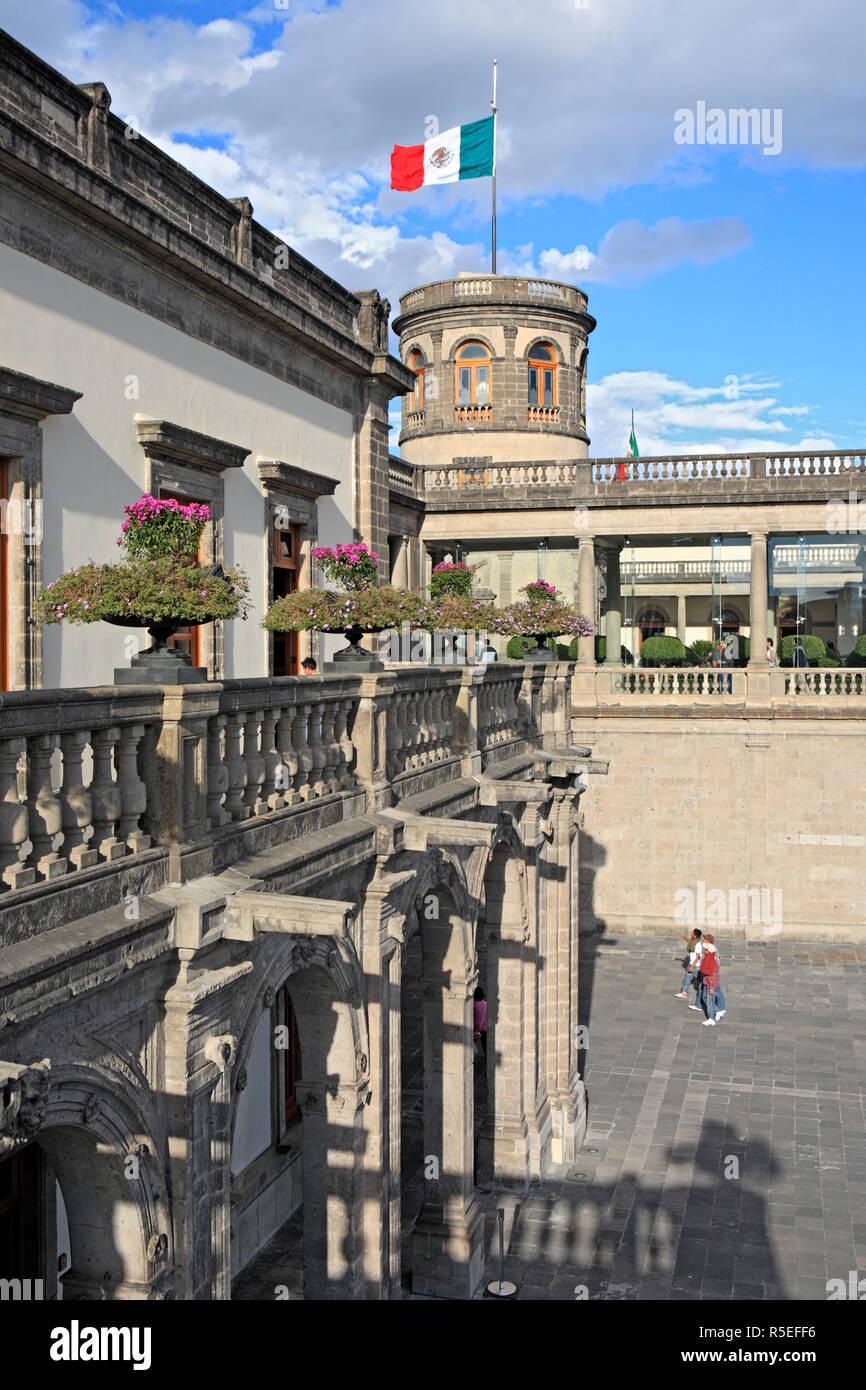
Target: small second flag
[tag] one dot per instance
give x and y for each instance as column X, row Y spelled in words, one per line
column 465, row 152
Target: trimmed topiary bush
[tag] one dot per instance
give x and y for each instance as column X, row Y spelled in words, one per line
column 857, row 655
column 813, row 647
column 662, row 651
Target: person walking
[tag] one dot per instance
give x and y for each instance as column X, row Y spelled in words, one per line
column 771, row 652
column 692, row 975
column 799, row 657
column 729, row 656
column 719, row 998
column 479, row 1018
column 709, row 968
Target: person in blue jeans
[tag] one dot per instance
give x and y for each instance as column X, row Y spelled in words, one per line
column 692, row 975
column 712, row 999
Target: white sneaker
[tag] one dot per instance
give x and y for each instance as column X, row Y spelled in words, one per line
column 721, row 1013
column 709, row 1023
column 681, row 995
column 696, row 1007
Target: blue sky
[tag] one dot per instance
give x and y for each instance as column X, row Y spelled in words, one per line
column 727, row 283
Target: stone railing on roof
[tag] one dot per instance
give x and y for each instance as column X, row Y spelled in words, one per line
column 493, row 289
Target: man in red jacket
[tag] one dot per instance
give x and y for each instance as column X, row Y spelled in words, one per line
column 709, row 968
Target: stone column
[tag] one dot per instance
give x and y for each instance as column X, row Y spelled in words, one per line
column 758, row 601
column 503, row 1154
column 681, row 618
column 448, row 1241
column 400, row 564
column 565, row 1089
column 613, row 608
column 586, row 596
column 333, row 1153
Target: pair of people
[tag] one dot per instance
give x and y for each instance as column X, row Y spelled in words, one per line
column 702, row 970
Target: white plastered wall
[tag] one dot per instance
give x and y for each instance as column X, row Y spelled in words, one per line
column 126, row 364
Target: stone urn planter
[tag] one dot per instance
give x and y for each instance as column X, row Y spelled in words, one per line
column 160, row 586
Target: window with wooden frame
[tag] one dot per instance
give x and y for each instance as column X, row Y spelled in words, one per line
column 286, row 569
column 472, row 367
column 187, row 639
column 289, row 1058
column 417, row 364
column 4, row 578
column 542, row 376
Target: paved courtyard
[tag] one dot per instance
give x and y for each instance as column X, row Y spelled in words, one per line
column 773, row 1097
column 648, row 1211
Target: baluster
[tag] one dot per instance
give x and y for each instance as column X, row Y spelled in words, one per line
column 330, row 747
column 317, row 773
column 76, row 802
column 106, row 796
column 13, row 820
column 133, row 793
column 290, row 764
column 46, row 815
column 217, row 772
column 425, row 753
column 344, row 742
column 254, row 763
column 303, row 753
column 237, row 770
column 439, row 724
column 270, row 796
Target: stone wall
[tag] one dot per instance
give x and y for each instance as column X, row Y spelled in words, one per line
column 766, row 814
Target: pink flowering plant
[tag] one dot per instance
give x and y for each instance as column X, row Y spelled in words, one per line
column 538, row 590
column 155, row 527
column 352, row 566
column 159, row 580
column 544, row 615
column 452, row 577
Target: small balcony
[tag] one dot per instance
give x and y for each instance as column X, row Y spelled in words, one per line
column 473, row 414
column 543, row 414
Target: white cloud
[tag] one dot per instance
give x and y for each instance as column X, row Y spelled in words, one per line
column 587, row 98
column 674, row 417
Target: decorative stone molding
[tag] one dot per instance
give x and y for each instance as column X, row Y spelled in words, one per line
column 249, row 914
column 221, row 1050
column 90, row 1109
column 23, row 1100
column 157, row 1248
column 160, row 439
column 29, row 398
column 243, row 232
column 288, row 479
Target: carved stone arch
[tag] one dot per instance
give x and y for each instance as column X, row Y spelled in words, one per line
column 120, row 1226
column 540, row 340
column 281, row 959
column 441, row 867
column 471, row 337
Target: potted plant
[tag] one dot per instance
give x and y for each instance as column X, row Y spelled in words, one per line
column 360, row 605
column 543, row 615
column 452, row 577
column 159, row 586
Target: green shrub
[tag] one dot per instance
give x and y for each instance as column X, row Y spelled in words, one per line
column 700, row 650
column 517, row 646
column 857, row 656
column 813, row 647
column 662, row 651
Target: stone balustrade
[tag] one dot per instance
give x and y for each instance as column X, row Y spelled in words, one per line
column 779, row 690
column 149, row 781
column 71, row 792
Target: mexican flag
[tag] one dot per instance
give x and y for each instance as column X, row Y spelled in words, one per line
column 465, row 152
column 632, row 441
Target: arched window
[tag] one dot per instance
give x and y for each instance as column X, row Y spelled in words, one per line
column 417, row 364
column 652, row 624
column 542, row 375
column 473, row 375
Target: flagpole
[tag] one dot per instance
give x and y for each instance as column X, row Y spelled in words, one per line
column 493, row 224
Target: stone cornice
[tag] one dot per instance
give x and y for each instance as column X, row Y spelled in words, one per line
column 161, row 439
column 31, row 399
column 277, row 476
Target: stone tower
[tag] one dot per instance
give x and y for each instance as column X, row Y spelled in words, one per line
column 500, row 363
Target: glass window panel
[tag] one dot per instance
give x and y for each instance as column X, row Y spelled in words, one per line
column 473, row 350
column 542, row 354
column 548, row 387
column 533, row 386
column 483, row 385
column 465, row 389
